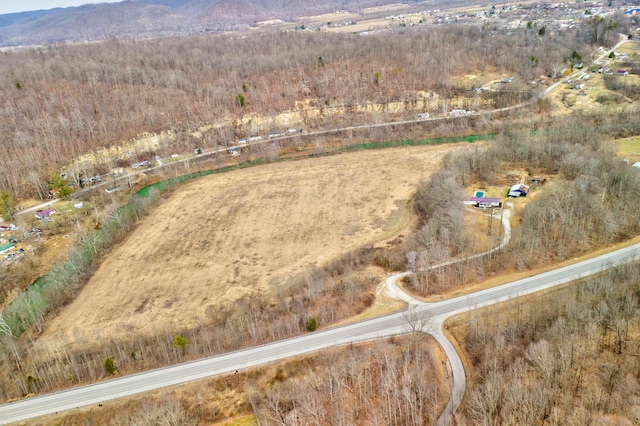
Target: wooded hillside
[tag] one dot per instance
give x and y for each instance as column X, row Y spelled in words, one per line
column 64, row 101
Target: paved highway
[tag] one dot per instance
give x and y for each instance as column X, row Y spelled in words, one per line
column 365, row 330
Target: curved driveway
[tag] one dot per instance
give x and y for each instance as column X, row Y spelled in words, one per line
column 458, row 379
column 365, row 330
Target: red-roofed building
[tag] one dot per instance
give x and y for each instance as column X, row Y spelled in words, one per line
column 43, row 214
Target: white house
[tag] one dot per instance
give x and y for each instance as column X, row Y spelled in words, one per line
column 518, row 190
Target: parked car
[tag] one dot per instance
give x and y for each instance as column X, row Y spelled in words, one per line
column 145, row 163
column 112, row 189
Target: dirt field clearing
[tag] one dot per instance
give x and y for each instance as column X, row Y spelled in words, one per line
column 224, row 236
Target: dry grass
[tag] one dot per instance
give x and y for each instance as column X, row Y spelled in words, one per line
column 364, row 21
column 630, row 47
column 566, row 100
column 225, row 236
column 598, row 99
column 471, row 81
column 331, row 17
column 628, row 148
column 360, row 26
column 383, row 304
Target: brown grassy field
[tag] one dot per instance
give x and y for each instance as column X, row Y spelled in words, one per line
column 225, row 236
column 628, row 148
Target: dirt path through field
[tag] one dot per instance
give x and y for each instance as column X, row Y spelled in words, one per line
column 224, row 236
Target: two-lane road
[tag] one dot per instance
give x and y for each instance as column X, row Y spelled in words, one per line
column 378, row 327
column 370, row 329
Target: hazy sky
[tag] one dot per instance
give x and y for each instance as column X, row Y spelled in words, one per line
column 11, row 6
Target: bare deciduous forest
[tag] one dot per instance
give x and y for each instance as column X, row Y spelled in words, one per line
column 66, row 100
column 376, row 382
column 371, row 385
column 592, row 202
column 59, row 105
column 565, row 357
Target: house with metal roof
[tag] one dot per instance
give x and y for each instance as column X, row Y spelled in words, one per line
column 518, row 190
column 43, row 214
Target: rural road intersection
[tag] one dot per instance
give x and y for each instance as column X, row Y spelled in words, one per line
column 380, row 327
column 384, row 326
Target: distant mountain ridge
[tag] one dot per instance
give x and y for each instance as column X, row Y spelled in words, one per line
column 153, row 18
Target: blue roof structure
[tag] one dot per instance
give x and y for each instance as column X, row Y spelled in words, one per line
column 6, row 247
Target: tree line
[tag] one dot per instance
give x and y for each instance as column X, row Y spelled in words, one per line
column 382, row 383
column 591, row 202
column 565, row 357
column 322, row 296
column 374, row 382
column 258, row 320
column 63, row 101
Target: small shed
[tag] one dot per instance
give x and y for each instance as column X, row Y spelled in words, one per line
column 518, row 190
